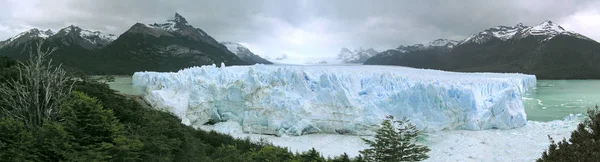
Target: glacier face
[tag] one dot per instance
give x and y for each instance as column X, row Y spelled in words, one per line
column 296, row 100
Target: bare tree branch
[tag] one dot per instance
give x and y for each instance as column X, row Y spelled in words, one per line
column 36, row 94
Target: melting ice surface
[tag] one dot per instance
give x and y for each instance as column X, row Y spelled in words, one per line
column 519, row 145
column 299, row 100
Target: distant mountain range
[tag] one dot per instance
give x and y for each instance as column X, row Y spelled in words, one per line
column 167, row 46
column 546, row 50
column 356, row 56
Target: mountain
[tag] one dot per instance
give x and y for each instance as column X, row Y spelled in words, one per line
column 244, row 53
column 546, row 50
column 76, row 47
column 24, row 37
column 356, row 56
column 168, row 46
column 82, row 38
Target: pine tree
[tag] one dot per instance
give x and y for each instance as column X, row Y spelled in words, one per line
column 97, row 132
column 343, row 158
column 584, row 144
column 395, row 143
column 359, row 159
column 312, row 156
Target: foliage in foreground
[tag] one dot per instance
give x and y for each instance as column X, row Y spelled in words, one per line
column 394, row 142
column 36, row 93
column 584, row 144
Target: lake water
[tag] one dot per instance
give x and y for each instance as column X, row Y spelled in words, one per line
column 555, row 99
column 123, row 85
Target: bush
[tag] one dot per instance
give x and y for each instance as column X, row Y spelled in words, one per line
column 584, row 144
column 395, row 143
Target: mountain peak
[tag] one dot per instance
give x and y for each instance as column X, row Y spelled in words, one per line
column 178, row 19
column 549, row 25
column 519, row 25
column 173, row 24
column 30, row 34
column 443, row 43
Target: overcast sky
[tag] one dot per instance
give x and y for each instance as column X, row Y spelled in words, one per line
column 306, row 28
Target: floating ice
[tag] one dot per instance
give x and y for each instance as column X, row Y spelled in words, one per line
column 521, row 144
column 297, row 100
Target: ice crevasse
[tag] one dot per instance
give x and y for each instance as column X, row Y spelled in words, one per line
column 296, row 100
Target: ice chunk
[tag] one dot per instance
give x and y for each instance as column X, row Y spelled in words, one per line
column 298, row 100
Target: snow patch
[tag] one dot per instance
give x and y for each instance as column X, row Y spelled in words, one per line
column 32, row 33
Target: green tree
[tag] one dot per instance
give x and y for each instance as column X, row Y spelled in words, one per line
column 55, row 143
column 312, row 156
column 16, row 142
column 272, row 154
column 343, row 158
column 395, row 143
column 98, row 134
column 229, row 153
column 584, row 144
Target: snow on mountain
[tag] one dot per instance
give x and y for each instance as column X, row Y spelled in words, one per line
column 238, row 49
column 442, row 43
column 548, row 29
column 356, row 56
column 96, row 39
column 438, row 43
column 297, row 100
column 176, row 26
column 27, row 35
column 244, row 53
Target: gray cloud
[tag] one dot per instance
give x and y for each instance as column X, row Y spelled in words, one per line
column 305, row 27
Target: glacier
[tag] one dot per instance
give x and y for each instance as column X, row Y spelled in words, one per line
column 299, row 100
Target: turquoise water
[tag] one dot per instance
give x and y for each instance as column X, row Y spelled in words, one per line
column 123, row 85
column 555, row 99
column 550, row 100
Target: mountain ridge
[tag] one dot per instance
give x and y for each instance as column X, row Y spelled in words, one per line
column 541, row 50
column 166, row 46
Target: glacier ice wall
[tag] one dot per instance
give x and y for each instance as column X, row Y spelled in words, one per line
column 296, row 100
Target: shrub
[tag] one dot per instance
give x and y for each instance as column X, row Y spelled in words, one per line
column 584, row 144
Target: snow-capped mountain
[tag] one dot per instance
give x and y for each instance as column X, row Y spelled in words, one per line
column 547, row 30
column 547, row 50
column 443, row 44
column 244, row 53
column 84, row 38
column 356, row 56
column 176, row 26
column 27, row 36
column 71, row 35
column 167, row 46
